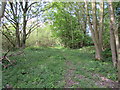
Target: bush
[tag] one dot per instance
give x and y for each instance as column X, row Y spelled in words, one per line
column 107, row 54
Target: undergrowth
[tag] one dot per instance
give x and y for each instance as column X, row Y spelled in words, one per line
column 42, row 67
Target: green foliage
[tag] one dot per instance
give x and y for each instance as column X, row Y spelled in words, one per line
column 106, row 34
column 107, row 55
column 41, row 37
column 44, row 67
column 39, row 67
column 66, row 26
column 8, row 35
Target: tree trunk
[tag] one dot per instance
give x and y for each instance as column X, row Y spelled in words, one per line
column 14, row 8
column 101, row 24
column 17, row 36
column 24, row 31
column 112, row 35
column 94, row 30
column 17, row 26
column 2, row 10
column 98, row 52
column 113, row 46
column 118, row 64
column 24, row 23
column 117, row 34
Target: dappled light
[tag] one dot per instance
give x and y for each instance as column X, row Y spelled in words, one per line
column 60, row 44
column 48, row 66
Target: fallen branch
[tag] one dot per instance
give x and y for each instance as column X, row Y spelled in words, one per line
column 16, row 54
column 5, row 57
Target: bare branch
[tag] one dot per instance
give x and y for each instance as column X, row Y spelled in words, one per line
column 10, row 17
column 31, row 5
column 11, row 21
column 33, row 27
column 8, row 39
column 21, row 4
column 2, row 9
column 31, row 31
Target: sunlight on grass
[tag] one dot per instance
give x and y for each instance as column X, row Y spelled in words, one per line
column 43, row 67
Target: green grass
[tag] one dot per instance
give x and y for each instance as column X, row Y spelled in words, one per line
column 43, row 67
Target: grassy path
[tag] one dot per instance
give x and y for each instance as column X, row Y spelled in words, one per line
column 95, row 79
column 69, row 75
column 58, row 68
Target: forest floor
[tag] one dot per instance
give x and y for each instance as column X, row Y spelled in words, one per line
column 59, row 67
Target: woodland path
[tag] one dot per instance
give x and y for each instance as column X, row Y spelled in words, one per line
column 55, row 67
column 101, row 82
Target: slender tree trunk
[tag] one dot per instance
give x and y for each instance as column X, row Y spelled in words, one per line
column 17, row 36
column 101, row 24
column 24, row 23
column 94, row 30
column 112, row 35
column 118, row 65
column 118, row 47
column 17, row 26
column 14, row 9
column 97, row 43
column 2, row 10
column 114, row 40
column 37, row 36
column 24, row 31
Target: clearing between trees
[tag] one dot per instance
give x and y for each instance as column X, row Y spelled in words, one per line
column 58, row 67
